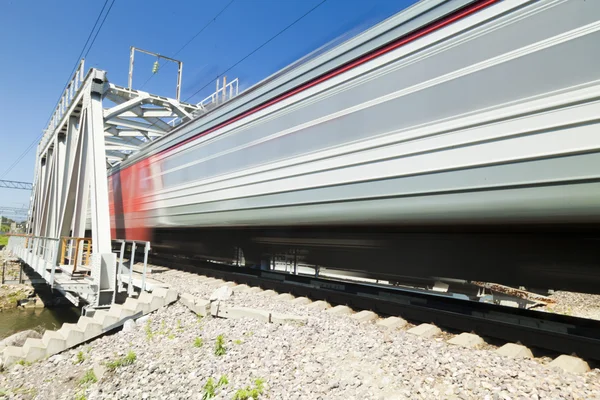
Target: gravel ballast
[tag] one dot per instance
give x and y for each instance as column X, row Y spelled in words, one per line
column 329, row 357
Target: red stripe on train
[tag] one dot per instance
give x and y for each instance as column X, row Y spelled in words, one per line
column 352, row 64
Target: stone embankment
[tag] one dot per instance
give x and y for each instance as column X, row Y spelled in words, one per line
column 17, row 289
column 286, row 349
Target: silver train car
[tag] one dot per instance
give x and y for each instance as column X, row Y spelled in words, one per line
column 458, row 138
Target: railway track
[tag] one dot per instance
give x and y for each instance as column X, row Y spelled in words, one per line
column 537, row 330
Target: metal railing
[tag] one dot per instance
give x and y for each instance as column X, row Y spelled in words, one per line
column 65, row 101
column 122, row 253
column 40, row 253
column 220, row 96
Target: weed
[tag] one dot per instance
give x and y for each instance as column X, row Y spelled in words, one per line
column 179, row 326
column 198, row 342
column 250, row 333
column 223, row 381
column 24, row 363
column 79, row 358
column 148, row 330
column 220, row 346
column 251, row 392
column 210, row 388
column 88, row 378
column 121, row 362
column 80, row 396
column 237, row 341
column 199, row 318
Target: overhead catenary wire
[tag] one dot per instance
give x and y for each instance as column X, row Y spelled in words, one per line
column 212, row 20
column 83, row 50
column 259, row 47
column 254, row 51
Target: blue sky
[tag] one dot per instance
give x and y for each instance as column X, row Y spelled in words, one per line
column 42, row 39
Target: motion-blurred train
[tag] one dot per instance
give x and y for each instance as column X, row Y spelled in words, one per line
column 458, row 138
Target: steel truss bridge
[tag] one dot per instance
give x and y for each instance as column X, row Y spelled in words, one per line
column 95, row 126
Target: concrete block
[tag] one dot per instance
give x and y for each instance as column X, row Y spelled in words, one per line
column 365, row 316
column 104, row 318
column 425, row 330
column 277, row 318
column 568, row 363
column 72, row 334
column 154, row 302
column 187, row 299
column 222, row 311
column 240, row 288
column 221, row 294
column 136, row 306
column 90, row 327
column 340, row 310
column 54, row 342
column 514, row 350
column 466, row 339
column 169, row 295
column 215, row 282
column 254, row 289
column 120, row 312
column 12, row 355
column 392, row 323
column 319, row 305
column 301, row 301
column 201, row 307
column 269, row 293
column 285, row 297
column 34, row 350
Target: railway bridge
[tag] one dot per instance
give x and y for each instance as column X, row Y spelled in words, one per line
column 95, row 126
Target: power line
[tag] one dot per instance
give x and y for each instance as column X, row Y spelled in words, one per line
column 100, row 28
column 214, row 19
column 253, row 51
column 28, row 149
column 259, row 47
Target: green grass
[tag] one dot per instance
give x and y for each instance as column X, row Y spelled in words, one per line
column 122, row 362
column 198, row 342
column 210, row 388
column 80, row 396
column 220, row 346
column 3, row 240
column 80, row 358
column 88, row 378
column 248, row 392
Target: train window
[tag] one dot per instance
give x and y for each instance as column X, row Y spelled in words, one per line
column 144, row 179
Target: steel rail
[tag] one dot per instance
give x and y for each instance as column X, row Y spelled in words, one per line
column 544, row 331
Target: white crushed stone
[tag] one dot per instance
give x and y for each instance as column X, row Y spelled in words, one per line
column 330, row 357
